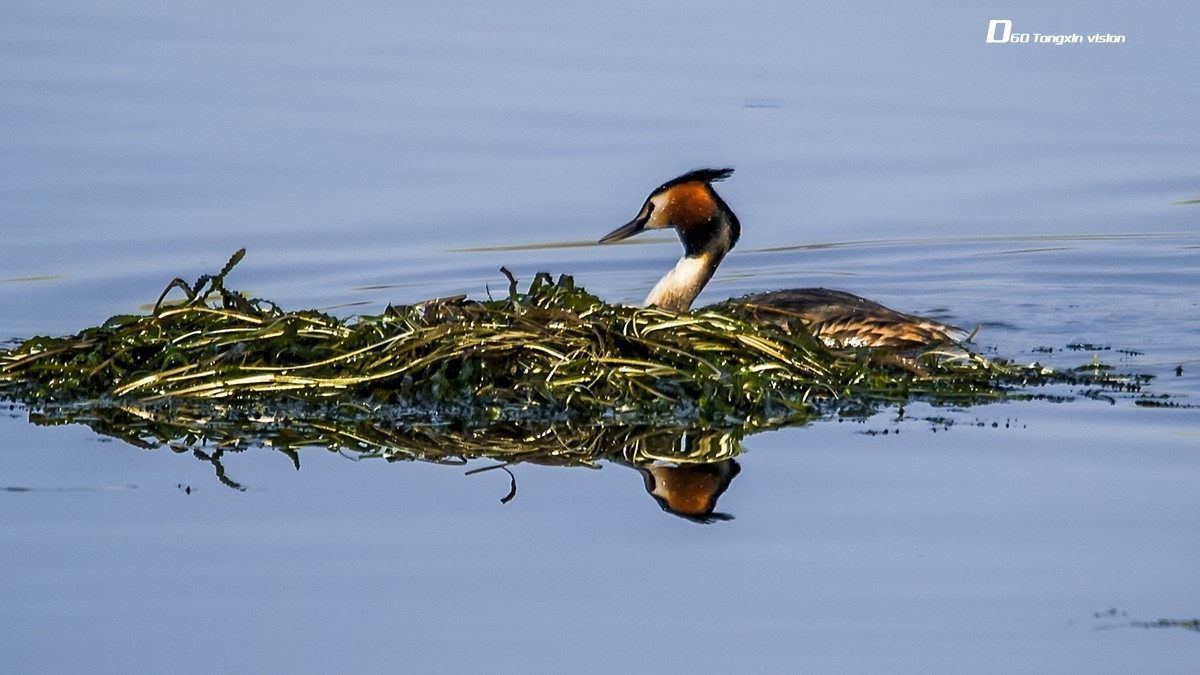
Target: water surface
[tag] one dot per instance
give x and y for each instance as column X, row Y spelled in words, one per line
column 392, row 153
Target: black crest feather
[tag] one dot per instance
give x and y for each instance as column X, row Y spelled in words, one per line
column 705, row 175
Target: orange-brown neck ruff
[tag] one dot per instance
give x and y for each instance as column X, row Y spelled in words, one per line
column 690, row 203
column 699, row 215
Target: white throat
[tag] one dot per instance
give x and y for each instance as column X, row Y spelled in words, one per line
column 676, row 291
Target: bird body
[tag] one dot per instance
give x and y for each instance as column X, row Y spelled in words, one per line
column 708, row 230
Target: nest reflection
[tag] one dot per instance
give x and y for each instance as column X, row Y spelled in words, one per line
column 685, row 470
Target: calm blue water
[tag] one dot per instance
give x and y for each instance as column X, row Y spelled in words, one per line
column 393, row 152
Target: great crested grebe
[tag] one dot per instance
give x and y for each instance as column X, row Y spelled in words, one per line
column 709, row 229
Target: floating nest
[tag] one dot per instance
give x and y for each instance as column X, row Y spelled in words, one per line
column 553, row 349
column 551, row 373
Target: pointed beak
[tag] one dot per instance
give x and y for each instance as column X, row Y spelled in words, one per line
column 627, row 230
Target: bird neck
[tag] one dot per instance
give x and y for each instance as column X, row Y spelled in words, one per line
column 704, row 249
column 676, row 291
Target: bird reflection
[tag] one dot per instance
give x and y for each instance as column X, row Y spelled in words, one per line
column 691, row 491
column 685, row 470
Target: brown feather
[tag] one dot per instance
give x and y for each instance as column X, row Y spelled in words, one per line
column 845, row 318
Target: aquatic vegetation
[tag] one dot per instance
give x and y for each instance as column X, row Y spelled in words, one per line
column 552, row 351
column 549, row 375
